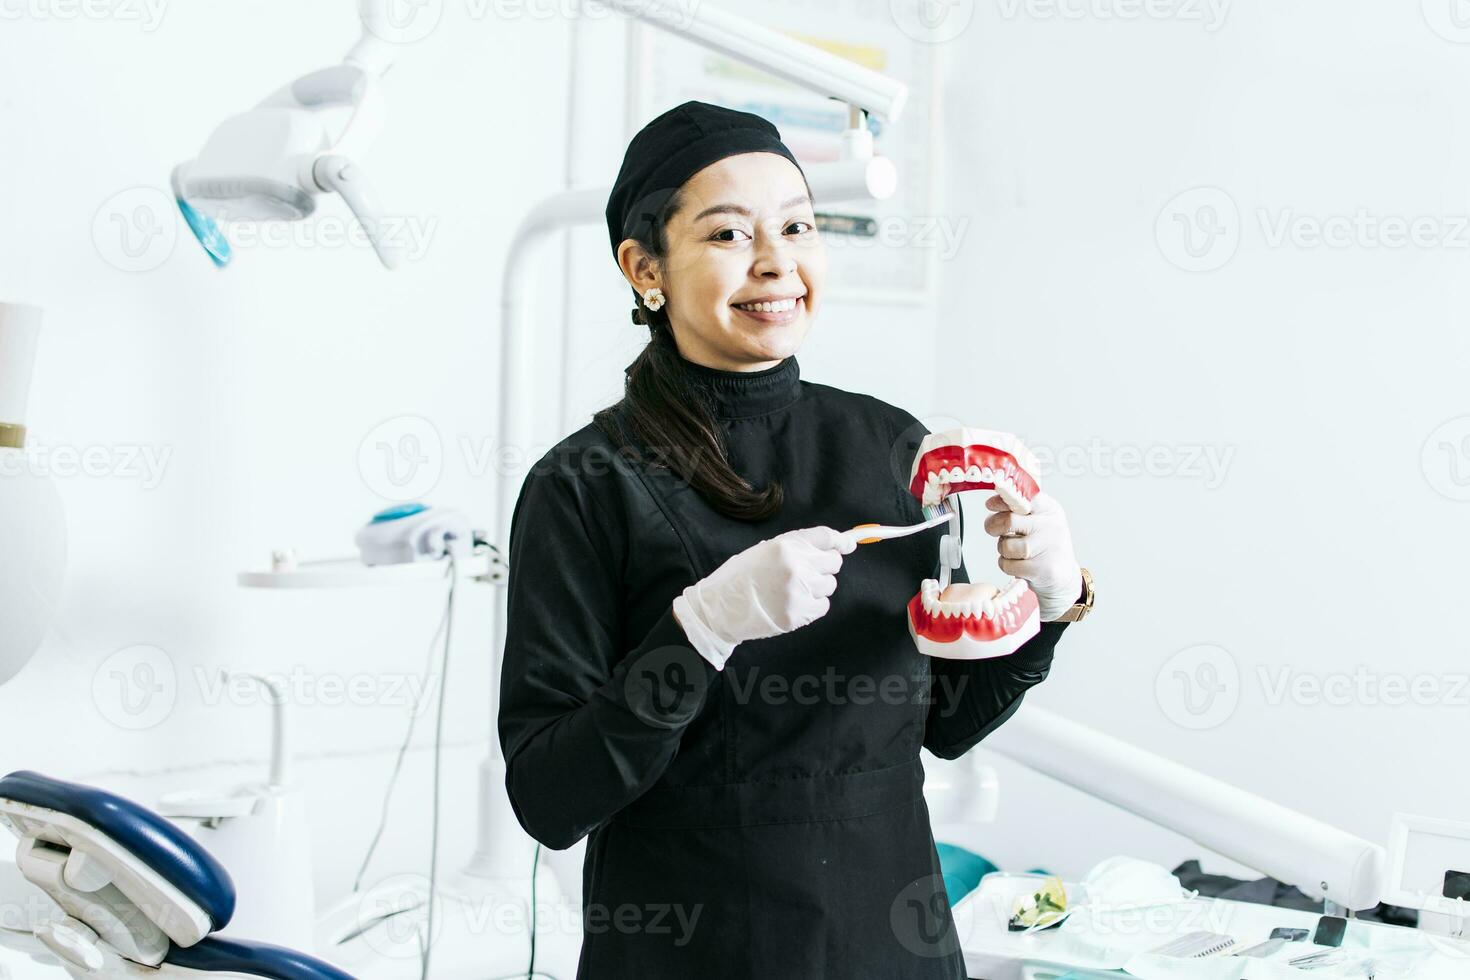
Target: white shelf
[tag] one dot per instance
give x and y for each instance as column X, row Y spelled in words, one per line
column 347, row 573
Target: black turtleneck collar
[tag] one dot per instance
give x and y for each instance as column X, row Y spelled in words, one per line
column 742, row 394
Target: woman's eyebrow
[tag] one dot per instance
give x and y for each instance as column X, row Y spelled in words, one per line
column 737, row 209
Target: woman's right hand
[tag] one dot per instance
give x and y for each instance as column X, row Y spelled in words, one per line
column 775, row 586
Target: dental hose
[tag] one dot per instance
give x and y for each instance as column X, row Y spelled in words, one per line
column 402, row 752
column 438, row 758
column 535, row 860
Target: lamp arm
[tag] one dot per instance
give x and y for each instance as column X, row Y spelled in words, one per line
column 1323, row 861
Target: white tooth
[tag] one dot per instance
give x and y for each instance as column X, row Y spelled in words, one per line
column 769, row 307
column 933, row 476
column 989, row 608
column 975, row 474
column 957, row 475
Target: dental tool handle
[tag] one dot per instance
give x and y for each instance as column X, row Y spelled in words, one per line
column 335, row 172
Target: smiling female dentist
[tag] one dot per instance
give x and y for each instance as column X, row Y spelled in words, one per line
column 685, row 684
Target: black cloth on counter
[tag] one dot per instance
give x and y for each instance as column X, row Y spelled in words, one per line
column 737, row 829
column 1269, row 891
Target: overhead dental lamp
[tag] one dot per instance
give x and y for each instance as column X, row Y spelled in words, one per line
column 275, row 161
column 32, row 530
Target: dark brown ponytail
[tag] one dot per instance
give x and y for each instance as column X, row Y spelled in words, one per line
column 671, row 419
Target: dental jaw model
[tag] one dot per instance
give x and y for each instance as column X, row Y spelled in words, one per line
column 971, row 621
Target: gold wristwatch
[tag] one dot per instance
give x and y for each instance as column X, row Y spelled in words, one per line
column 1083, row 607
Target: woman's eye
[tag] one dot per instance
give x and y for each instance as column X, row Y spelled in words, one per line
column 808, row 224
column 727, row 231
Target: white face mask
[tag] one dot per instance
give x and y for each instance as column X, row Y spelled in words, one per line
column 1123, row 882
column 1125, row 907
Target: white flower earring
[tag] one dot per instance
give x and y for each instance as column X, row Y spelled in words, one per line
column 653, row 298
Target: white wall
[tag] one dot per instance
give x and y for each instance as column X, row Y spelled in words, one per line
column 1322, row 544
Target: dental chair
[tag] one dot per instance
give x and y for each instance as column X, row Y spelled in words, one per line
column 138, row 896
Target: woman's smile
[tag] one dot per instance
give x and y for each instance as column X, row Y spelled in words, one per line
column 778, row 311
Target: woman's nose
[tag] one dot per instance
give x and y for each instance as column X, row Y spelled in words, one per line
column 774, row 256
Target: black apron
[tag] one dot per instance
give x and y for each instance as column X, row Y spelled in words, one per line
column 767, row 820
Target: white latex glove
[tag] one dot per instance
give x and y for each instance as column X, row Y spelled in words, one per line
column 775, row 586
column 1038, row 548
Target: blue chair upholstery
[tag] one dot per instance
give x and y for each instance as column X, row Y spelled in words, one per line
column 962, row 870
column 217, row 954
column 172, row 854
column 178, row 859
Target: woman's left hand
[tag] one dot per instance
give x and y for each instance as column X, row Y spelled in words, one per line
column 1038, row 548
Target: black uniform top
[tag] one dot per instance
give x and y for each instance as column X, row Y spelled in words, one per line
column 766, row 820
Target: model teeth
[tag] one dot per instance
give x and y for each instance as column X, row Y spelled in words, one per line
column 938, row 482
column 780, row 306
column 990, row 608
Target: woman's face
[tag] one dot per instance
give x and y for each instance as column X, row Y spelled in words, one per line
column 745, row 233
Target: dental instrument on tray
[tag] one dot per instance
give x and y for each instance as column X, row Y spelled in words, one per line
column 1195, row 945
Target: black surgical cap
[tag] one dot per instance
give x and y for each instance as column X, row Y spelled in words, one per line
column 671, row 149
